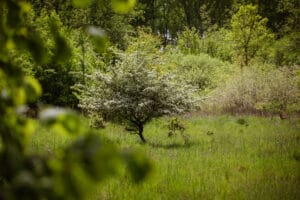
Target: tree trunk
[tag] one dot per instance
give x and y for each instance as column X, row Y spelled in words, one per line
column 152, row 7
column 140, row 133
column 187, row 12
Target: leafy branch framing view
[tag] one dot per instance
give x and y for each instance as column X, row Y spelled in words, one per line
column 77, row 75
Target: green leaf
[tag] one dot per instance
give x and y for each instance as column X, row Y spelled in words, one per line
column 19, row 96
column 62, row 121
column 81, row 3
column 99, row 38
column 36, row 48
column 122, row 6
column 25, row 7
column 32, row 88
column 62, row 50
column 50, row 115
column 28, row 127
column 90, row 151
column 139, row 166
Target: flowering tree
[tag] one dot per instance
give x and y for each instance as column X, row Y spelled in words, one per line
column 136, row 93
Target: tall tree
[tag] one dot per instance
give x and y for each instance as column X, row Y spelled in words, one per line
column 249, row 33
column 283, row 15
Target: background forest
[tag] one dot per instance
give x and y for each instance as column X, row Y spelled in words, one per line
column 195, row 99
column 206, row 41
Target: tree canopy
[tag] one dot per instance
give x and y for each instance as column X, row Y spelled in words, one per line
column 137, row 93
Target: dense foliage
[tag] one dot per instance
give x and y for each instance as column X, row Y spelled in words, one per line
column 249, row 33
column 274, row 91
column 69, row 173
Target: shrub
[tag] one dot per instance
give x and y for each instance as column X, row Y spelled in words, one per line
column 242, row 121
column 254, row 91
column 144, row 42
column 175, row 125
column 96, row 120
column 282, row 94
column 189, row 41
column 285, row 51
column 201, row 71
column 218, row 45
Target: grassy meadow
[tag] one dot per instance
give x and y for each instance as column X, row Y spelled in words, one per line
column 226, row 157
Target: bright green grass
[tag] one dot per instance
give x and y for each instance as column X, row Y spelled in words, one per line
column 259, row 161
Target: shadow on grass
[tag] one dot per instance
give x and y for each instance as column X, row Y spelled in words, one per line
column 173, row 146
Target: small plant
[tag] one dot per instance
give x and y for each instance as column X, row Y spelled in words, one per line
column 176, row 125
column 242, row 121
column 96, row 121
column 209, row 133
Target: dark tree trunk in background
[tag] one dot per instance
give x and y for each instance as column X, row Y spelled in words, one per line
column 187, row 12
column 152, row 14
column 140, row 133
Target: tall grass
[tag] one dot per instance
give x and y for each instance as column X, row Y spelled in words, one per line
column 226, row 158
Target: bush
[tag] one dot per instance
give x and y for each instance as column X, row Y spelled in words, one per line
column 254, row 91
column 176, row 125
column 189, row 41
column 96, row 120
column 215, row 43
column 144, row 42
column 202, row 71
column 286, row 50
column 218, row 45
column 282, row 94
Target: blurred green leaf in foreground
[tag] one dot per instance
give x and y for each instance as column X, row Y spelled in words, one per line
column 70, row 172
